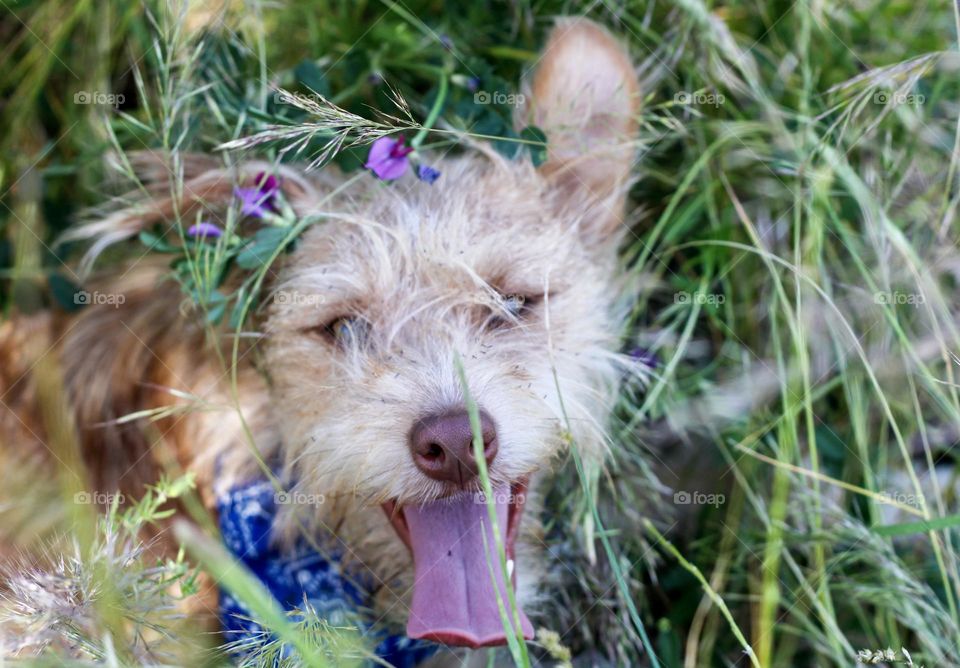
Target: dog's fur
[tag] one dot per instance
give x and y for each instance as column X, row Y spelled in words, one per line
column 425, row 266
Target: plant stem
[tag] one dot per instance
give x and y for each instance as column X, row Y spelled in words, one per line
column 435, row 110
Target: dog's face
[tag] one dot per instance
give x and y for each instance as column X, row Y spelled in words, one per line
column 377, row 305
column 504, row 269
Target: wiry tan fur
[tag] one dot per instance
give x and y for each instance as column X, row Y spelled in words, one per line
column 426, row 266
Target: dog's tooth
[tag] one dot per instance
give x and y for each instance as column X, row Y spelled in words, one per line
column 510, row 568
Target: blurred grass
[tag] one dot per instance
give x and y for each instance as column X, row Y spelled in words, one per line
column 796, row 251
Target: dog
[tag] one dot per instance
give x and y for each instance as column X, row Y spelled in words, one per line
column 349, row 386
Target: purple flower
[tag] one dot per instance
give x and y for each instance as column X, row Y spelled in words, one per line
column 427, row 173
column 388, row 158
column 259, row 200
column 204, row 229
column 644, row 356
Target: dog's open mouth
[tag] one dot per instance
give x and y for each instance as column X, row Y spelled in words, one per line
column 457, row 570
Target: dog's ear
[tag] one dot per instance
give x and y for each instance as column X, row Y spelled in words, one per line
column 585, row 96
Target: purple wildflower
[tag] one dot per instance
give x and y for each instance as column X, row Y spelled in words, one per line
column 388, row 158
column 204, row 229
column 259, row 200
column 644, row 356
column 427, row 174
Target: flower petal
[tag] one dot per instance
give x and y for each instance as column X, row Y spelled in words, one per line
column 427, row 174
column 253, row 202
column 204, row 229
column 388, row 158
column 379, row 151
column 259, row 200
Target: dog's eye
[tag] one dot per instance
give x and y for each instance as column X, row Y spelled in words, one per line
column 511, row 308
column 347, row 330
column 514, row 304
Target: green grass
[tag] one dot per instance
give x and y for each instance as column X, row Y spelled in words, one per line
column 794, row 251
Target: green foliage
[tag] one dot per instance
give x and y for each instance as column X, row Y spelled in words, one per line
column 794, row 255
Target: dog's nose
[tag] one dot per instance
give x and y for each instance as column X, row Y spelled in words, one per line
column 442, row 446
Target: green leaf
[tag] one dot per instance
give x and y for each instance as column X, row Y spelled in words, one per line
column 351, row 159
column 260, row 249
column 311, row 75
column 238, row 308
column 538, row 152
column 179, row 486
column 922, row 526
column 64, row 292
column 154, row 242
column 216, row 306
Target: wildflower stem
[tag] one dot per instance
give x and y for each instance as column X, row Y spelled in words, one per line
column 434, row 110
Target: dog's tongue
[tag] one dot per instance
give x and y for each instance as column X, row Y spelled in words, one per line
column 454, row 600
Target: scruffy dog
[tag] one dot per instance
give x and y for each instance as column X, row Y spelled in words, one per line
column 355, row 396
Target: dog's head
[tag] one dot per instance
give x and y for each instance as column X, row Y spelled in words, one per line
column 496, row 282
column 499, row 267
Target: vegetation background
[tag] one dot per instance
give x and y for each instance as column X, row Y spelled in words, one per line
column 782, row 490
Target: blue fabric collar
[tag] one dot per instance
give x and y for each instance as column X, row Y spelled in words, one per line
column 294, row 576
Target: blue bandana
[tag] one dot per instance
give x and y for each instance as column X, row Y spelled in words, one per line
column 295, row 576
